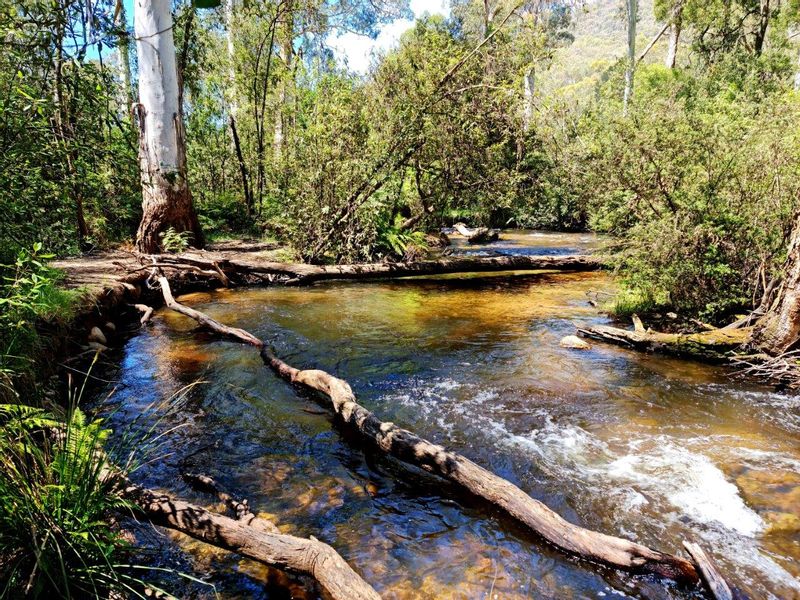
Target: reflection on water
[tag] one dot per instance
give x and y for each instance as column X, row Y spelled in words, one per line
column 653, row 449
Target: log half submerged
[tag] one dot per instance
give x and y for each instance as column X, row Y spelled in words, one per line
column 501, row 493
column 256, row 541
column 716, row 345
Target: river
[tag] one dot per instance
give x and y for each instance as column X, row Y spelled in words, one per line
column 654, row 449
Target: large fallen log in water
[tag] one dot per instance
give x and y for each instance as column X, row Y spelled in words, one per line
column 287, row 552
column 298, row 273
column 501, row 493
column 715, row 346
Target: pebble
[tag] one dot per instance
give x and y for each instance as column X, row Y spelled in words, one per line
column 574, row 342
column 110, row 326
column 98, row 346
column 97, row 335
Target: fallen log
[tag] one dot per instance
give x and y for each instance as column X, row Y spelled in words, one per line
column 240, row 508
column 714, row 346
column 479, row 235
column 711, row 576
column 286, row 552
column 411, row 449
column 298, row 273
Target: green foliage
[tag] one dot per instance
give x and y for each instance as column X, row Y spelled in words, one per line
column 175, row 241
column 395, row 240
column 29, row 294
column 55, row 502
column 698, row 183
column 68, row 170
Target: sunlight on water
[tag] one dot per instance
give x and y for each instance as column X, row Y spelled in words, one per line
column 649, row 448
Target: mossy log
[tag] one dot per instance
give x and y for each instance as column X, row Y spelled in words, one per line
column 499, row 492
column 713, row 346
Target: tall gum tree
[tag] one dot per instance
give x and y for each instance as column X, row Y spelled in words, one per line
column 779, row 330
column 166, row 199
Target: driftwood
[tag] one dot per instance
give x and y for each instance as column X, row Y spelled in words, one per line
column 715, row 583
column 715, row 346
column 297, row 555
column 411, row 449
column 147, row 312
column 240, row 508
column 301, row 274
column 480, row 235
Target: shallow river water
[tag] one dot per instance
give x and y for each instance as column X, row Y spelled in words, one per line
column 649, row 448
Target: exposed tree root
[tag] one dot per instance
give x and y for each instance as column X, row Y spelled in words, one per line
column 409, row 448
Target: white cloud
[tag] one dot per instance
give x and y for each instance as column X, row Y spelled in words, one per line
column 356, row 50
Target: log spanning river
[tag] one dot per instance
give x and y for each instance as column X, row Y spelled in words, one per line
column 649, row 448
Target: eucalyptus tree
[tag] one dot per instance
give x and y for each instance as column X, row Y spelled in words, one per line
column 166, row 199
column 631, row 16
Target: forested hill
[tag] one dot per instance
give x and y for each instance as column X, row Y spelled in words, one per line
column 599, row 42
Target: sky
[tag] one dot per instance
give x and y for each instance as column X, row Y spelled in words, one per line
column 356, row 50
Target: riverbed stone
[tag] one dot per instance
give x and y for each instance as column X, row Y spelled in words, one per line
column 97, row 346
column 574, row 343
column 109, row 326
column 96, row 335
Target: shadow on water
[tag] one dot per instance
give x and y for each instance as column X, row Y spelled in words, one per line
column 653, row 449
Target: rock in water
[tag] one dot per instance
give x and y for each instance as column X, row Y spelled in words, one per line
column 574, row 342
column 97, row 335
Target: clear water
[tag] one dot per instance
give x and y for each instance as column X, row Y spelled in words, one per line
column 649, row 448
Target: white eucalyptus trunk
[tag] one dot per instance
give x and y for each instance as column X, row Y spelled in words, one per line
column 166, row 201
column 632, row 8
column 124, row 59
column 528, row 90
column 674, row 36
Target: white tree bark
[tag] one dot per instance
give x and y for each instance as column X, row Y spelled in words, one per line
column 632, row 8
column 166, row 201
column 674, row 35
column 527, row 92
column 124, row 58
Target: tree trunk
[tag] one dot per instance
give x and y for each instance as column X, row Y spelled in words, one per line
column 763, row 23
column 674, row 35
column 166, row 200
column 233, row 108
column 632, row 7
column 779, row 330
column 528, row 91
column 286, row 53
column 124, row 58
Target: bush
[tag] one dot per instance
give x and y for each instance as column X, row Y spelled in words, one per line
column 29, row 293
column 55, row 537
column 698, row 183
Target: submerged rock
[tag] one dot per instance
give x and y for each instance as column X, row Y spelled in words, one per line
column 574, row 342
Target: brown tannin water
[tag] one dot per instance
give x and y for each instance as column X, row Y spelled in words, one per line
column 649, row 448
